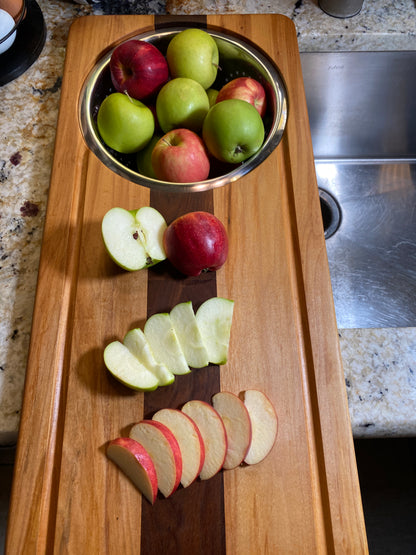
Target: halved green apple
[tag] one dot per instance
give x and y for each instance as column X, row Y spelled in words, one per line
column 134, row 238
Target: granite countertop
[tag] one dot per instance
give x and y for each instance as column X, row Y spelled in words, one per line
column 379, row 364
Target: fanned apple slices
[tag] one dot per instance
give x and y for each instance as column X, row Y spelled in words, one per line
column 178, row 446
column 171, row 344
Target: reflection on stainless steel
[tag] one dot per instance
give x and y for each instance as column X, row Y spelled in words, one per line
column 362, row 109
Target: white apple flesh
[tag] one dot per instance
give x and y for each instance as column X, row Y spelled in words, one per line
column 125, row 367
column 214, row 319
column 136, row 342
column 213, row 433
column 164, row 343
column 186, row 327
column 134, row 239
column 164, row 450
column 136, row 463
column 237, row 424
column 189, row 439
column 264, row 424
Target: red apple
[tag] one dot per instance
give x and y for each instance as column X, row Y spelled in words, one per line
column 138, row 68
column 245, row 88
column 196, row 242
column 180, row 156
column 136, row 463
column 164, row 450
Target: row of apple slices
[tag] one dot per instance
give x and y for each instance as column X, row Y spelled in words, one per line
column 172, row 343
column 178, row 446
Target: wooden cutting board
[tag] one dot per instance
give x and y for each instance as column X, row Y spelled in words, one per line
column 67, row 496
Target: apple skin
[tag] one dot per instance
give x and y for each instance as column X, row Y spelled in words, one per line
column 125, row 124
column 193, row 53
column 233, row 130
column 136, row 463
column 182, row 102
column 180, row 156
column 196, row 242
column 144, row 158
column 138, row 68
column 245, row 88
column 212, row 96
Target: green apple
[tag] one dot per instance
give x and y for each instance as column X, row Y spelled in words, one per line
column 136, row 342
column 164, row 343
column 125, row 124
column 193, row 53
column 125, row 367
column 233, row 130
column 212, row 96
column 214, row 318
column 182, row 102
column 184, row 322
column 134, row 239
column 144, row 158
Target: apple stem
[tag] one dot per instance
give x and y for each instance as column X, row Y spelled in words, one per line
column 128, row 96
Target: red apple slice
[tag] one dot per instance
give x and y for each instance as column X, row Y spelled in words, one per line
column 237, row 424
column 190, row 442
column 164, row 450
column 264, row 425
column 136, row 463
column 213, row 433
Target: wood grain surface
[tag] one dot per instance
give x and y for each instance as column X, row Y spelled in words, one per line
column 67, row 496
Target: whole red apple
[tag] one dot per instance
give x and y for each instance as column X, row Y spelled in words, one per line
column 245, row 88
column 180, row 156
column 138, row 68
column 196, row 242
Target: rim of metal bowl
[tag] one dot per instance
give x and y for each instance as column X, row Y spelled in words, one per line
column 280, row 110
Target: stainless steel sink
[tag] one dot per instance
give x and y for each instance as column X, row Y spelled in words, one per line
column 362, row 110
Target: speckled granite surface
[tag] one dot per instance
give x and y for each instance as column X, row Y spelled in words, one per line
column 380, row 365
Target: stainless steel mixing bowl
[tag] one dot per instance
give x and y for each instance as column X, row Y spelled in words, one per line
column 237, row 58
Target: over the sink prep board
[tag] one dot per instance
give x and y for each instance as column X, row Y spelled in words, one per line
column 67, row 496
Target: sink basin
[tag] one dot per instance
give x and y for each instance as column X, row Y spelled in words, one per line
column 362, row 111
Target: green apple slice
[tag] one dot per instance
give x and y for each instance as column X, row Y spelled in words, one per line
column 136, row 342
column 184, row 322
column 164, row 343
column 125, row 367
column 214, row 318
column 134, row 239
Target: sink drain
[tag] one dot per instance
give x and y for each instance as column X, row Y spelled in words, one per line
column 331, row 213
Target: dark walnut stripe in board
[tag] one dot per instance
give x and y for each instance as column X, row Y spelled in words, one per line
column 192, row 519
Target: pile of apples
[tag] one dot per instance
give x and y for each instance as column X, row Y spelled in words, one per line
column 171, row 344
column 167, row 111
column 177, row 446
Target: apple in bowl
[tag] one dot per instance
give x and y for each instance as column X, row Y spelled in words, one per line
column 138, row 68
